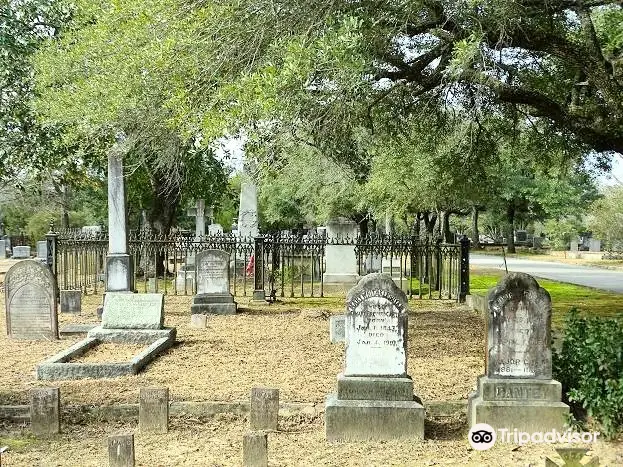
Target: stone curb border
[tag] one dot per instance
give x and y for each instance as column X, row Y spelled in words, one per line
column 21, row 413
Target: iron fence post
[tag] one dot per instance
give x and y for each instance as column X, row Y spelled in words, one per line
column 51, row 238
column 464, row 269
column 258, row 284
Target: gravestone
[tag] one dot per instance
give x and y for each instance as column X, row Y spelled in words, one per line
column 153, row 410
column 573, row 244
column 264, row 413
column 30, row 291
column 517, row 391
column 71, row 301
column 151, row 285
column 119, row 264
column 198, row 321
column 336, row 328
column 121, row 451
column 341, row 260
column 21, row 252
column 45, row 409
column 2, row 249
column 255, row 449
column 247, row 213
column 594, row 245
column 374, row 399
column 42, row 250
column 213, row 294
column 215, row 229
column 133, row 311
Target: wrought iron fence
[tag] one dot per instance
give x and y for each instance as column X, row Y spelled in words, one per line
column 269, row 266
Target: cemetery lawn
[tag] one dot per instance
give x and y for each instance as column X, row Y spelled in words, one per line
column 590, row 302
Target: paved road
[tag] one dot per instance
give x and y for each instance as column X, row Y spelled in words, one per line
column 598, row 278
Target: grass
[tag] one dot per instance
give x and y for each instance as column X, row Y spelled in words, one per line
column 590, row 302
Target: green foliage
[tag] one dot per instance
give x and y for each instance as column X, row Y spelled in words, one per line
column 589, row 364
column 561, row 231
column 606, row 218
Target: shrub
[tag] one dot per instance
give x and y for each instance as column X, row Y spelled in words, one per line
column 589, row 364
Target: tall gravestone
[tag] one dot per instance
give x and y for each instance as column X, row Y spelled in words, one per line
column 119, row 266
column 374, row 399
column 517, row 391
column 247, row 213
column 30, row 293
column 213, row 294
column 2, row 248
column 341, row 260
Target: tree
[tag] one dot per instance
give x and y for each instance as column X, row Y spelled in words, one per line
column 115, row 70
column 606, row 219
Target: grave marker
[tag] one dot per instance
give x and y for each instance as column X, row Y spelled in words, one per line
column 213, row 294
column 517, row 390
column 21, row 252
column 45, row 409
column 264, row 413
column 341, row 260
column 71, row 301
column 133, row 311
column 153, row 411
column 30, row 291
column 255, row 449
column 121, row 451
column 374, row 399
column 337, row 332
column 3, row 249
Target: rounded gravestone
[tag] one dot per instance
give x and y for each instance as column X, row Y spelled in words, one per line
column 376, row 328
column 30, row 293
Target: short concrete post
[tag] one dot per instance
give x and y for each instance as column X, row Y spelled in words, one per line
column 45, row 408
column 255, row 449
column 153, row 410
column 264, row 414
column 121, row 451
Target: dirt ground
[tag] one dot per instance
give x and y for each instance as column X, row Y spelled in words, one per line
column 285, row 346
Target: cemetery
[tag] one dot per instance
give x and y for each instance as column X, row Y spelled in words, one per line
column 311, row 233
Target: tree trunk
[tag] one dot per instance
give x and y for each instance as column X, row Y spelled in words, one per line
column 475, row 232
column 416, row 225
column 162, row 213
column 444, row 226
column 65, row 207
column 429, row 224
column 510, row 228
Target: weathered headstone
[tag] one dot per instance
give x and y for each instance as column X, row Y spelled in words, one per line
column 42, row 250
column 264, row 413
column 119, row 264
column 3, row 249
column 151, row 285
column 594, row 245
column 374, row 399
column 133, row 311
column 30, row 293
column 337, row 332
column 153, row 411
column 215, row 229
column 121, row 451
column 21, row 252
column 517, row 391
column 573, row 244
column 71, row 301
column 247, row 214
column 198, row 321
column 45, row 409
column 341, row 260
column 213, row 294
column 255, row 449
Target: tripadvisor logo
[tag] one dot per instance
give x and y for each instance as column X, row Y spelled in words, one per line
column 483, row 436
